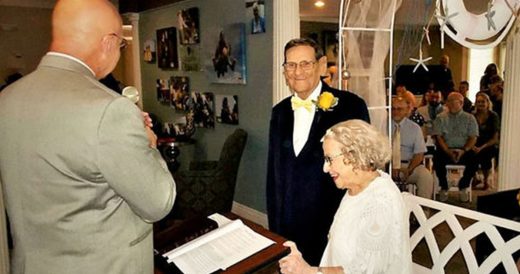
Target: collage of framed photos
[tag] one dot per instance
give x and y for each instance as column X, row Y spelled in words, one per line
column 223, row 62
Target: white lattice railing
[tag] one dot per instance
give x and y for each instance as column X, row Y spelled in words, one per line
column 484, row 223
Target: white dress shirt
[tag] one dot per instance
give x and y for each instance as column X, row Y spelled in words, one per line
column 303, row 122
column 71, row 58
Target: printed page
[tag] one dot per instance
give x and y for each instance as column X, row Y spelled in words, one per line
column 218, row 249
column 220, row 219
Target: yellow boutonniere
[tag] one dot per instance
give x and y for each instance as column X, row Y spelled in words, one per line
column 518, row 198
column 326, row 101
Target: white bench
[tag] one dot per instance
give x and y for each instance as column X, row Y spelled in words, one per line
column 484, row 223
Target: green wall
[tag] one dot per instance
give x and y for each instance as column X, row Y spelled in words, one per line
column 255, row 97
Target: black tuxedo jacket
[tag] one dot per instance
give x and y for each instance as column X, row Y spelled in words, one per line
column 301, row 198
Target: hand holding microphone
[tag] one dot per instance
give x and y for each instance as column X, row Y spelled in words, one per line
column 132, row 94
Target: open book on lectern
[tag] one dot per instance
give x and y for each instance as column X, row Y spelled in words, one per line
column 230, row 243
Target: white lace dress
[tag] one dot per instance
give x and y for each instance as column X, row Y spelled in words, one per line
column 370, row 232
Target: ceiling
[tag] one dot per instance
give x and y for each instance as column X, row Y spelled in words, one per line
column 328, row 13
column 308, row 12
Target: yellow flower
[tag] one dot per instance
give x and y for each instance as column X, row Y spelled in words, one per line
column 518, row 198
column 326, row 101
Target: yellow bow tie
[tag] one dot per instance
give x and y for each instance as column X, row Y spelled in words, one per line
column 296, row 103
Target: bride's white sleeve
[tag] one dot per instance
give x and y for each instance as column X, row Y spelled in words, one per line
column 379, row 233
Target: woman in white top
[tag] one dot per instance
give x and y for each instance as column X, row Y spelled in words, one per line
column 370, row 231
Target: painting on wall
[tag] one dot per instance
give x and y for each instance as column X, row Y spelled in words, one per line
column 188, row 23
column 163, row 91
column 179, row 92
column 227, row 57
column 167, row 57
column 203, row 109
column 190, row 56
column 149, row 52
column 227, row 109
column 255, row 11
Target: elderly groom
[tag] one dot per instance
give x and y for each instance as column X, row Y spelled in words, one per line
column 301, row 198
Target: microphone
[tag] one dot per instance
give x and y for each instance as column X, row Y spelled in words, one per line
column 131, row 93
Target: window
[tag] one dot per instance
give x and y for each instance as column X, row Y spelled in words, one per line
column 478, row 61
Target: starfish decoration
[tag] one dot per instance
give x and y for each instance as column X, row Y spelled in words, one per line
column 427, row 35
column 420, row 61
column 446, row 19
column 489, row 16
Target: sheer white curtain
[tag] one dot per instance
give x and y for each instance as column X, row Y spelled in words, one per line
column 367, row 32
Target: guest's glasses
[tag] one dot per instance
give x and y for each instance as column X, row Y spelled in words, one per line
column 305, row 65
column 329, row 159
column 124, row 42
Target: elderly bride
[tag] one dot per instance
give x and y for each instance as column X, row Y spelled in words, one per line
column 369, row 233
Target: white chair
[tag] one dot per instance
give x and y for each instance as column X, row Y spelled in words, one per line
column 453, row 175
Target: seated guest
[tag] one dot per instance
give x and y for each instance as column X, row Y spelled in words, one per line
column 496, row 91
column 370, row 229
column 456, row 133
column 490, row 71
column 413, row 114
column 463, row 90
column 430, row 111
column 409, row 168
column 400, row 89
column 488, row 128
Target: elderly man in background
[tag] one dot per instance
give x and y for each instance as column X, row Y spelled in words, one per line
column 408, row 139
column 456, row 133
column 82, row 179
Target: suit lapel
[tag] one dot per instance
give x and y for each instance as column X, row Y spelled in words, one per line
column 287, row 126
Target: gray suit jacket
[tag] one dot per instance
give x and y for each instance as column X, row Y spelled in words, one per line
column 82, row 186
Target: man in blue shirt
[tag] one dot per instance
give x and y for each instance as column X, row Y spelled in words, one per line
column 456, row 133
column 412, row 149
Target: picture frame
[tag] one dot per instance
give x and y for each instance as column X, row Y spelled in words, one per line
column 167, row 55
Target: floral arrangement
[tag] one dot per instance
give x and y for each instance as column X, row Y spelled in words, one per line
column 326, row 101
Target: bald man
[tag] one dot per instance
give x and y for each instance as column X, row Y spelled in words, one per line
column 82, row 179
column 456, row 133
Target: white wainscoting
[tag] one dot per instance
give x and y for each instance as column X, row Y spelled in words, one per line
column 250, row 214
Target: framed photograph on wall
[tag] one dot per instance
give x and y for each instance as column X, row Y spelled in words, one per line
column 149, row 51
column 227, row 55
column 256, row 15
column 203, row 109
column 226, row 107
column 179, row 92
column 188, row 23
column 163, row 90
column 167, row 57
column 190, row 57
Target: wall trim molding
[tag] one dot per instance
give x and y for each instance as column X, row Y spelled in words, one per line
column 249, row 213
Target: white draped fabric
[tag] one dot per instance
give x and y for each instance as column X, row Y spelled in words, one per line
column 367, row 34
